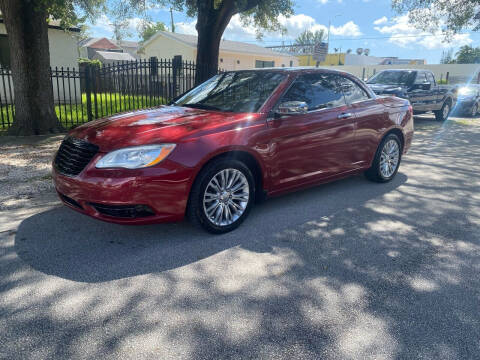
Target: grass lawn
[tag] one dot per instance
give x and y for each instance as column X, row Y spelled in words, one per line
column 107, row 104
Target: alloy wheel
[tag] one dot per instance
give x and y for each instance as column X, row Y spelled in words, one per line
column 446, row 111
column 226, row 197
column 389, row 158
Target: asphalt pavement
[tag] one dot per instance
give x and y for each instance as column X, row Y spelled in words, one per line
column 347, row 270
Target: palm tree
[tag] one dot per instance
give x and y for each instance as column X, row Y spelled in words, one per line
column 310, row 38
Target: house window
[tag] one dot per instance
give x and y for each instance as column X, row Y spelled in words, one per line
column 221, row 60
column 264, row 64
column 291, row 63
column 283, row 65
column 238, row 61
column 4, row 52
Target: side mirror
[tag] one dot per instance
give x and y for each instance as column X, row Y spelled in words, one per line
column 426, row 86
column 292, row 108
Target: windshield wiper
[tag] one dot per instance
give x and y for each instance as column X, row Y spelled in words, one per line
column 201, row 106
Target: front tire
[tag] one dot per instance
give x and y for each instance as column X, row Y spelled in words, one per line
column 474, row 110
column 387, row 160
column 444, row 112
column 221, row 196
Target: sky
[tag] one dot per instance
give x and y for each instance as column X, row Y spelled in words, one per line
column 355, row 24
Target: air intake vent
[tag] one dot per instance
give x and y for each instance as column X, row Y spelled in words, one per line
column 124, row 211
column 74, row 155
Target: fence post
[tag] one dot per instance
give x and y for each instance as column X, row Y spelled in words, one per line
column 176, row 66
column 152, row 75
column 88, row 90
column 447, row 76
column 94, row 88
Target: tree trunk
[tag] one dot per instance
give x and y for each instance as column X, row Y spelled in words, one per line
column 27, row 31
column 211, row 24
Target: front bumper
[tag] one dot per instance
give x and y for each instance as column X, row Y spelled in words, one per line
column 464, row 105
column 162, row 190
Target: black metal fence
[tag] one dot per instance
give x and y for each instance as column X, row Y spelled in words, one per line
column 92, row 92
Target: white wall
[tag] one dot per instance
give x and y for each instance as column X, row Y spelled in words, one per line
column 238, row 61
column 62, row 46
column 63, row 52
column 354, row 59
column 458, row 73
column 165, row 48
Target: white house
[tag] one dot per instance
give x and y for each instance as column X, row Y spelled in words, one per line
column 233, row 55
column 109, row 57
column 90, row 46
column 62, row 46
column 63, row 53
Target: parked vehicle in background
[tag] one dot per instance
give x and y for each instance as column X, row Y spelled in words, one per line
column 468, row 100
column 419, row 87
column 233, row 139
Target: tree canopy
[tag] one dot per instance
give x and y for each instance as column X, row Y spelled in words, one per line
column 468, row 55
column 149, row 29
column 310, row 37
column 451, row 16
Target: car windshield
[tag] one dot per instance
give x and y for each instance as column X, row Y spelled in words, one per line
column 392, row 78
column 244, row 91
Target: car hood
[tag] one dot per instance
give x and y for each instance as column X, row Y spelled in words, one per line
column 386, row 89
column 165, row 124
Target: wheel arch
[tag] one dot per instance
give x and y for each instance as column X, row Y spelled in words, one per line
column 397, row 131
column 250, row 160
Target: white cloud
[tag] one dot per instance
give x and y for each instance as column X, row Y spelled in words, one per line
column 186, row 27
column 235, row 30
column 323, row 2
column 104, row 27
column 404, row 34
column 382, row 20
column 347, row 29
column 294, row 25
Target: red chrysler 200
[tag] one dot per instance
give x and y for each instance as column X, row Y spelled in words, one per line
column 235, row 138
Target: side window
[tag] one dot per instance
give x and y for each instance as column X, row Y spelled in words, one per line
column 430, row 78
column 420, row 79
column 352, row 91
column 319, row 91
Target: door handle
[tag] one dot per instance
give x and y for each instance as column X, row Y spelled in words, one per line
column 344, row 116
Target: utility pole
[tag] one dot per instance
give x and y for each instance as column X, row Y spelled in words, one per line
column 171, row 20
column 328, row 34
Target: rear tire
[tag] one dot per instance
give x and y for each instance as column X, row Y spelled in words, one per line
column 222, row 196
column 474, row 110
column 387, row 160
column 444, row 112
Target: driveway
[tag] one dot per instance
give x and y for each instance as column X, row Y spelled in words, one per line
column 348, row 270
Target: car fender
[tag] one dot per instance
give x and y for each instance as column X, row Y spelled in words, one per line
column 230, row 149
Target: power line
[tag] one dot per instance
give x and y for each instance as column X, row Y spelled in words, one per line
column 360, row 38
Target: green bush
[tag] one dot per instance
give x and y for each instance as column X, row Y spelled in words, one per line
column 85, row 61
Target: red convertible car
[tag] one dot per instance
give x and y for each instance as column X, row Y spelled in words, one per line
column 236, row 138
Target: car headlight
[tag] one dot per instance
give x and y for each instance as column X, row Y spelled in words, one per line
column 465, row 91
column 135, row 157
